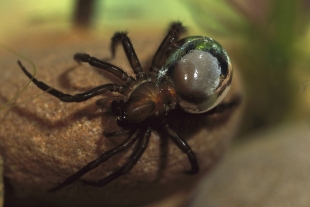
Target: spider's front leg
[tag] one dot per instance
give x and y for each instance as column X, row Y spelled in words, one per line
column 140, row 148
column 101, row 159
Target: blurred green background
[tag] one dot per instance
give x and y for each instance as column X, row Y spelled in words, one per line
column 267, row 40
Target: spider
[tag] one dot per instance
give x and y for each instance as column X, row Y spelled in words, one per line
column 192, row 74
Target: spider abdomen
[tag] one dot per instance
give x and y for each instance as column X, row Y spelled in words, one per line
column 200, row 71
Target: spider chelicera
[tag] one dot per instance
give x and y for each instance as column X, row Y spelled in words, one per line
column 192, row 74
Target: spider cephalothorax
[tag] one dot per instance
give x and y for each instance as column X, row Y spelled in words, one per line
column 193, row 74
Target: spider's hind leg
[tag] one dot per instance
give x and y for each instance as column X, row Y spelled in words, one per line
column 184, row 147
column 128, row 48
column 174, row 31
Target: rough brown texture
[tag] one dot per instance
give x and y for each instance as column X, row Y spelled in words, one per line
column 1, row 182
column 270, row 170
column 45, row 140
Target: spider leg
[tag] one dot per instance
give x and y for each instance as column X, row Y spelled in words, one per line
column 140, row 148
column 184, row 147
column 77, row 97
column 116, row 133
column 174, row 31
column 128, row 48
column 101, row 159
column 118, row 72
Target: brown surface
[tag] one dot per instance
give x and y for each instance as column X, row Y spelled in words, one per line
column 270, row 170
column 1, row 183
column 45, row 140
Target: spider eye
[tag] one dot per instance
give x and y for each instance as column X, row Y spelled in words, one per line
column 200, row 72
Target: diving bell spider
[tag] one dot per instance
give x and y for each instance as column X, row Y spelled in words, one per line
column 193, row 74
